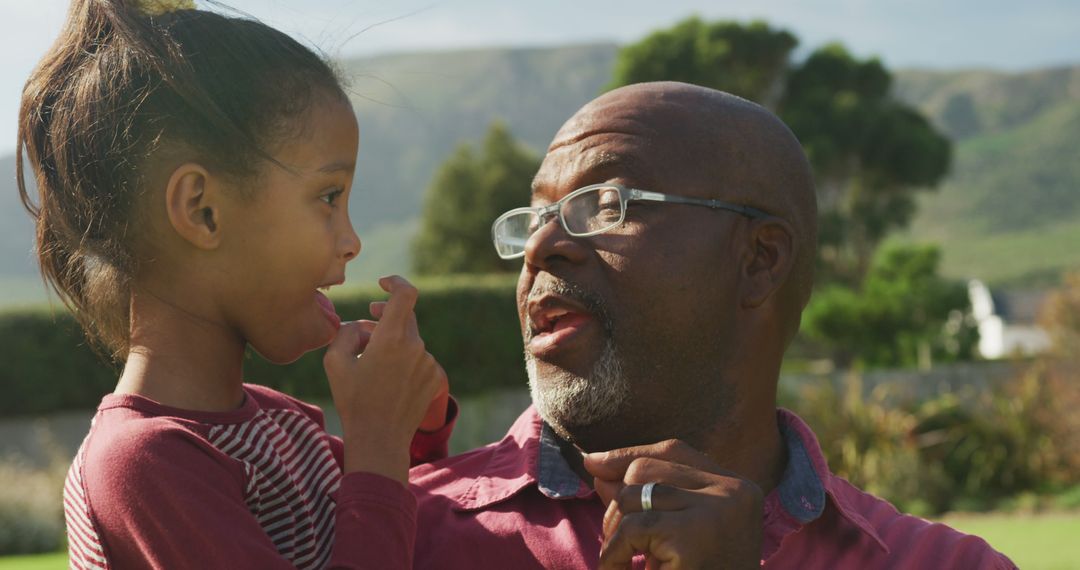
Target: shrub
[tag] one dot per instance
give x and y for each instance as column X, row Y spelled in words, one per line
column 868, row 442
column 941, row 453
column 31, row 507
column 31, row 519
column 469, row 323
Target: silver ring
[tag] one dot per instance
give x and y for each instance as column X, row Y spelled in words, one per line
column 646, row 496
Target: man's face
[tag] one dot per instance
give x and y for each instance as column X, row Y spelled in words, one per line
column 627, row 333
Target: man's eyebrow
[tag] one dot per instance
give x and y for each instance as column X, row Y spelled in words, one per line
column 338, row 166
column 609, row 160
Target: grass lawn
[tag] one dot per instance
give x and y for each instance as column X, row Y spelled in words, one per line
column 1039, row 542
column 1035, row 542
column 57, row 561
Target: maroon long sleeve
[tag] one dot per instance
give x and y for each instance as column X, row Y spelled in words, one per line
column 257, row 487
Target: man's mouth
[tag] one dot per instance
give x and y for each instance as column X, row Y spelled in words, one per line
column 554, row 322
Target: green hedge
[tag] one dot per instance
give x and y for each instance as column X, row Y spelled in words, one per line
column 468, row 322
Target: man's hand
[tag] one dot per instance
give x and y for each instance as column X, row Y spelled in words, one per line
column 702, row 516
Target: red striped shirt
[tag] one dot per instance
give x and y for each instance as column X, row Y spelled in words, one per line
column 257, row 487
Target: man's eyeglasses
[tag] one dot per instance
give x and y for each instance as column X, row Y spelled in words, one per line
column 586, row 212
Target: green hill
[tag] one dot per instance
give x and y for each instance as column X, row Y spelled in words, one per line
column 1009, row 212
column 1010, row 209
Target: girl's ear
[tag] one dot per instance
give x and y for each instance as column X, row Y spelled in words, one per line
column 192, row 200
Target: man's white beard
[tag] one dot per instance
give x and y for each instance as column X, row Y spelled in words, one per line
column 568, row 401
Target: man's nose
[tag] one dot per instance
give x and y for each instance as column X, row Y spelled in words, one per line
column 550, row 244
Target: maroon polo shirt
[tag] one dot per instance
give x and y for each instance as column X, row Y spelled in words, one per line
column 517, row 504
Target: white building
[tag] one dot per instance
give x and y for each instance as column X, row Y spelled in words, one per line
column 1008, row 321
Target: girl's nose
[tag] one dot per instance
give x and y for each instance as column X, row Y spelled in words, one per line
column 350, row 243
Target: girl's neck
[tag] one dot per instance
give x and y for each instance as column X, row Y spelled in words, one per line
column 181, row 359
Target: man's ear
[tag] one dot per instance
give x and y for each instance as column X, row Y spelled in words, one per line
column 772, row 256
column 192, row 200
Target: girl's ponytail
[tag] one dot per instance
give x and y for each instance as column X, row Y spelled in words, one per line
column 62, row 132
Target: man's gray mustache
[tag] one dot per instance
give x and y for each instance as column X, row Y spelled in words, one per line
column 593, row 302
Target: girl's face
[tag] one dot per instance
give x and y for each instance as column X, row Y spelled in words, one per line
column 292, row 237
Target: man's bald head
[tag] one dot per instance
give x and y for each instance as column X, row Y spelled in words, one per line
column 747, row 153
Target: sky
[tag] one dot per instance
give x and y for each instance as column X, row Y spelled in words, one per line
column 943, row 34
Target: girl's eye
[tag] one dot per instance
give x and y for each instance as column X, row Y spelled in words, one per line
column 332, row 196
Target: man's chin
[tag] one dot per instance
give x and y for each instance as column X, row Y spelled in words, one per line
column 575, row 402
column 557, row 368
column 579, row 408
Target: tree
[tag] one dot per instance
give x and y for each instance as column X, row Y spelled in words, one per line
column 904, row 314
column 870, row 153
column 749, row 60
column 466, row 195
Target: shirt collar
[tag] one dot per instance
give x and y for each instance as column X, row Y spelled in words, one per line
column 529, row 454
column 556, row 479
column 801, row 492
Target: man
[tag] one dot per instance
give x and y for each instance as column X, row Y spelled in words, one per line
column 667, row 257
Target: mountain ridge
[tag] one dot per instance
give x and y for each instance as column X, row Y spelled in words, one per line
column 1012, row 131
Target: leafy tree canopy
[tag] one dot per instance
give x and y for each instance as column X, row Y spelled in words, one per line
column 905, row 313
column 467, row 193
column 870, row 152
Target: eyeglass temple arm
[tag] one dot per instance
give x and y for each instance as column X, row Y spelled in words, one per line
column 747, row 211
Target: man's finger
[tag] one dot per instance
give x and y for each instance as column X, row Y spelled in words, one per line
column 638, row 532
column 647, row 469
column 377, row 308
column 612, row 465
column 612, row 517
column 664, row 498
column 607, row 490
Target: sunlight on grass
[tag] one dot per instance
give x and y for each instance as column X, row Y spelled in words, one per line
column 57, row 561
column 1035, row 542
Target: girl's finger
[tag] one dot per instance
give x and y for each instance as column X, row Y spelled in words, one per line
column 398, row 313
column 377, row 308
column 351, row 339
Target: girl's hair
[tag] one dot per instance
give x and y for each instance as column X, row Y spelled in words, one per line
column 123, row 96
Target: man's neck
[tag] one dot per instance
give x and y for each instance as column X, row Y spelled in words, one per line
column 756, row 452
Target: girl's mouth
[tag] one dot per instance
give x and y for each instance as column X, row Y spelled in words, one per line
column 328, row 307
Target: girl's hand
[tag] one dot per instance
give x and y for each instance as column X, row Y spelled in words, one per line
column 384, row 383
column 435, row 417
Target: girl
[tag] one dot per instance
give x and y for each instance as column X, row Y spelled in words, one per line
column 193, row 175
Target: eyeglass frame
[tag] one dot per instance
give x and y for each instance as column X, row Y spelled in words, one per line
column 625, row 196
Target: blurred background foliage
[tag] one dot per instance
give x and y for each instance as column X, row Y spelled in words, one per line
column 905, row 314
column 468, row 192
